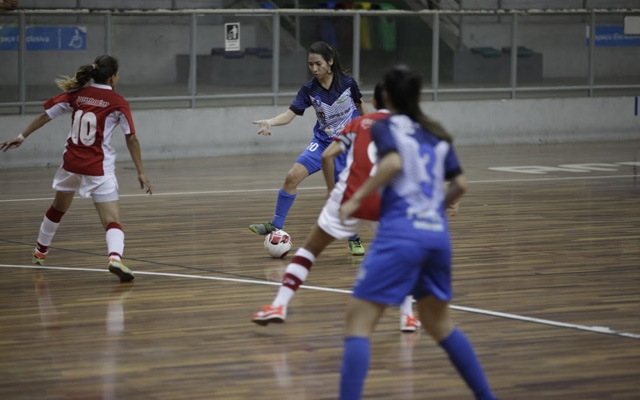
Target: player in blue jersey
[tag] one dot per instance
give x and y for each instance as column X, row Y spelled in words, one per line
column 336, row 100
column 411, row 253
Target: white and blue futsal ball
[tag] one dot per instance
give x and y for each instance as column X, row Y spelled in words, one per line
column 278, row 243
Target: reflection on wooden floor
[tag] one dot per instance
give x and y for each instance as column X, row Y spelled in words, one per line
column 557, row 254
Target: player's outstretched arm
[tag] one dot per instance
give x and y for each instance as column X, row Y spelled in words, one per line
column 388, row 167
column 455, row 189
column 134, row 150
column 452, row 209
column 362, row 109
column 37, row 123
column 281, row 119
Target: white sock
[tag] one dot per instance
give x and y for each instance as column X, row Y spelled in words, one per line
column 407, row 306
column 48, row 230
column 115, row 243
column 295, row 274
column 283, row 297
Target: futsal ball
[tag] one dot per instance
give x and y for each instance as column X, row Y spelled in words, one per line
column 278, row 243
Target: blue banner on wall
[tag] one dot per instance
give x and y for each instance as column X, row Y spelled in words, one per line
column 45, row 38
column 613, row 36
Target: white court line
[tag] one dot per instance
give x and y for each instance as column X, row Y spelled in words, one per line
column 569, row 178
column 565, row 178
column 595, row 329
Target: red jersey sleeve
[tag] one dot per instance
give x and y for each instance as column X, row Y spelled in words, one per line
column 126, row 120
column 58, row 105
column 351, row 126
column 348, row 134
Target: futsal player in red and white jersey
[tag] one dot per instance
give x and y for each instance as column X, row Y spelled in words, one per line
column 88, row 165
column 355, row 138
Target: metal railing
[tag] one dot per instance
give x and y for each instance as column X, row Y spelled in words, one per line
column 356, row 16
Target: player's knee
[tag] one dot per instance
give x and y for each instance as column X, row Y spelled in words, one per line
column 438, row 326
column 292, row 180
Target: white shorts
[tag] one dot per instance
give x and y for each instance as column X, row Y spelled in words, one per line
column 329, row 221
column 101, row 188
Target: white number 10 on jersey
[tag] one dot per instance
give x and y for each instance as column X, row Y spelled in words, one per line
column 84, row 128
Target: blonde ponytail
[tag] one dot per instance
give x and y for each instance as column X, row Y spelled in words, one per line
column 81, row 78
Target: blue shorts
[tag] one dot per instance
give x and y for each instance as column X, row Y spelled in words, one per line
column 311, row 158
column 393, row 269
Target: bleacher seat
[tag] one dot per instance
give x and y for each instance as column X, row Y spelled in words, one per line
column 488, row 52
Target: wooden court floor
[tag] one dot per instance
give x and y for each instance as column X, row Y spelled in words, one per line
column 547, row 283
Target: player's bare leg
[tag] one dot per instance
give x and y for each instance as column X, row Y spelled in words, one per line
column 295, row 274
column 434, row 314
column 286, row 197
column 61, row 203
column 109, row 212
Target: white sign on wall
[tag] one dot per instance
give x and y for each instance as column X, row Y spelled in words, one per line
column 232, row 36
column 632, row 25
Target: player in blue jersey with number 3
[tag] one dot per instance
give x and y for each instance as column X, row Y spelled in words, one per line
column 411, row 253
column 336, row 100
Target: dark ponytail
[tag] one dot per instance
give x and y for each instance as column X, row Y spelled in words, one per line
column 328, row 52
column 403, row 88
column 103, row 68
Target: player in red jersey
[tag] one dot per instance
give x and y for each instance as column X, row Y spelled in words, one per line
column 360, row 164
column 88, row 165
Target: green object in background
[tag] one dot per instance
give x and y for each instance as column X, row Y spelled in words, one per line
column 488, row 52
column 387, row 30
column 522, row 51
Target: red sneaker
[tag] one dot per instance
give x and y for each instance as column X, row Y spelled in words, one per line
column 270, row 314
column 409, row 323
column 38, row 258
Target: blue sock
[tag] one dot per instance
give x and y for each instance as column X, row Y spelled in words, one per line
column 354, row 237
column 464, row 358
column 355, row 364
column 283, row 205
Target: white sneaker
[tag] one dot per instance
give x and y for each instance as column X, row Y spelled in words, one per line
column 116, row 267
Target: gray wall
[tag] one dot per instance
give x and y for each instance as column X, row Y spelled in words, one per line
column 123, row 4
column 490, row 4
column 148, row 50
column 563, row 46
column 147, row 53
column 545, row 4
column 170, row 134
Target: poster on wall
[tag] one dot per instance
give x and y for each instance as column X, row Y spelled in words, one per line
column 232, row 36
column 44, row 38
column 612, row 35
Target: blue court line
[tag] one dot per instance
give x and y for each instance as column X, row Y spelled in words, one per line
column 594, row 329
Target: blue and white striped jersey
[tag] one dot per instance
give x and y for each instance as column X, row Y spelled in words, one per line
column 334, row 107
column 412, row 203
